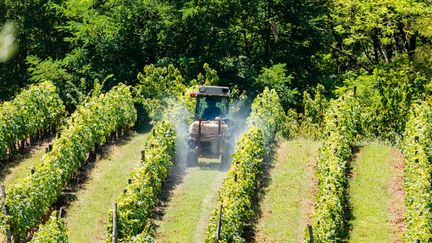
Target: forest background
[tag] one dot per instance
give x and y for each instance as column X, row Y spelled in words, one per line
column 308, row 51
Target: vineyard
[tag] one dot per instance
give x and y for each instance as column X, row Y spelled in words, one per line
column 257, row 188
column 215, row 121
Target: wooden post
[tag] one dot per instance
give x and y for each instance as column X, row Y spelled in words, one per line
column 311, row 238
column 143, row 155
column 4, row 210
column 114, row 230
column 219, row 225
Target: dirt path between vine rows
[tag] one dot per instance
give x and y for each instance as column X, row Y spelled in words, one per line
column 288, row 200
column 188, row 203
column 376, row 195
column 100, row 183
column 22, row 164
column 397, row 204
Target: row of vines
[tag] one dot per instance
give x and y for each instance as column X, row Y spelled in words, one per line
column 138, row 201
column 33, row 112
column 417, row 149
column 30, row 199
column 238, row 195
column 330, row 217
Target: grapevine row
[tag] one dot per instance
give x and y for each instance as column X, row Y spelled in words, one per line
column 89, row 126
column 329, row 220
column 239, row 190
column 417, row 149
column 136, row 203
column 33, row 111
column 267, row 114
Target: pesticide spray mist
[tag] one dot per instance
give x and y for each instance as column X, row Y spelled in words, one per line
column 182, row 117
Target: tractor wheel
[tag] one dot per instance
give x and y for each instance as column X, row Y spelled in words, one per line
column 191, row 158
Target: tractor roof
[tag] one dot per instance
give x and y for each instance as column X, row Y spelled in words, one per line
column 213, row 91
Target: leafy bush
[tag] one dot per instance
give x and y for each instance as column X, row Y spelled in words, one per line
column 329, row 220
column 417, row 148
column 140, row 197
column 33, row 111
column 53, row 231
column 275, row 78
column 239, row 189
column 30, row 198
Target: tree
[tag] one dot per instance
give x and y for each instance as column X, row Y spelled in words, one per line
column 36, row 34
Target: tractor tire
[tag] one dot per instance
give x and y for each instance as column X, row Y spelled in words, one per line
column 191, row 158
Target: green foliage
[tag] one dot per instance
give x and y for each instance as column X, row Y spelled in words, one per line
column 416, row 148
column 35, row 23
column 314, row 112
column 330, row 220
column 30, row 198
column 211, row 77
column 275, row 78
column 136, row 204
column 55, row 71
column 156, row 86
column 267, row 114
column 98, row 38
column 377, row 31
column 34, row 110
column 386, row 96
column 53, row 231
column 239, row 190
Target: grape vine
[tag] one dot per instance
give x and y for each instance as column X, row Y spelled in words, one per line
column 52, row 231
column 137, row 202
column 33, row 111
column 238, row 191
column 417, row 148
column 30, row 198
column 267, row 114
column 329, row 220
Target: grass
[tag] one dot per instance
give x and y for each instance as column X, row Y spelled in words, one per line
column 20, row 167
column 192, row 202
column 371, row 194
column 87, row 216
column 288, row 199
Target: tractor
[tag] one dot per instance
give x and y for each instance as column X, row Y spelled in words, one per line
column 211, row 134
